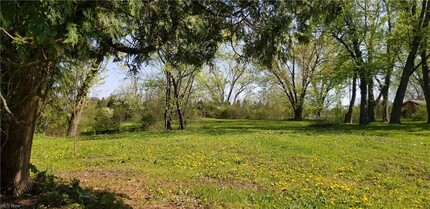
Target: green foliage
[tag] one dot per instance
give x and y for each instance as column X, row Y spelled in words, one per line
column 105, row 122
column 148, row 119
column 54, row 119
column 420, row 114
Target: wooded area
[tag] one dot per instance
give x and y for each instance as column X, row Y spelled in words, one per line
column 224, row 59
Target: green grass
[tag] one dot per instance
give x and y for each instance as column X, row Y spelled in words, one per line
column 252, row 164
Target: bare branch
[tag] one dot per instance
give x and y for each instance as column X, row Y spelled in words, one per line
column 8, row 34
column 6, row 107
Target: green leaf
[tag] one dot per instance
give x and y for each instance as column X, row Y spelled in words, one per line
column 72, row 35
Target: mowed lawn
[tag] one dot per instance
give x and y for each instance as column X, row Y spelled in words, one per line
column 251, row 164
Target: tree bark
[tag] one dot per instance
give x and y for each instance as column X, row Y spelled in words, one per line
column 17, row 135
column 384, row 92
column 410, row 61
column 298, row 112
column 385, row 89
column 178, row 105
column 348, row 115
column 371, row 102
column 387, row 80
column 74, row 119
column 168, row 107
column 364, row 117
column 401, row 90
column 426, row 81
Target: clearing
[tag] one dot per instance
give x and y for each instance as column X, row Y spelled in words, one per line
column 248, row 164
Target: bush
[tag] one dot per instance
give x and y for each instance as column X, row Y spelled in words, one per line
column 105, row 123
column 148, row 119
column 420, row 114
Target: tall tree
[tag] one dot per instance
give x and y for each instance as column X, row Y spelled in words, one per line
column 415, row 16
column 426, row 78
column 299, row 71
column 355, row 29
column 34, row 41
column 273, row 29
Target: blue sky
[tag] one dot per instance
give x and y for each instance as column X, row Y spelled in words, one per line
column 113, row 77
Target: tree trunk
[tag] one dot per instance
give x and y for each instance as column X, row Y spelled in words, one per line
column 410, row 62
column 348, row 115
column 384, row 92
column 298, row 112
column 401, row 90
column 371, row 102
column 180, row 115
column 364, row 117
column 178, row 105
column 76, row 113
column 74, row 119
column 426, row 82
column 387, row 80
column 168, row 108
column 17, row 135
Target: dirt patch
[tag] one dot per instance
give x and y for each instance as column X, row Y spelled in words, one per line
column 132, row 184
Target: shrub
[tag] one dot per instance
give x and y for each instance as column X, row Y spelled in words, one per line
column 148, row 119
column 105, row 123
column 420, row 114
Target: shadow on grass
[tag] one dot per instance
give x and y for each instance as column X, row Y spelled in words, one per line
column 221, row 127
column 217, row 127
column 52, row 192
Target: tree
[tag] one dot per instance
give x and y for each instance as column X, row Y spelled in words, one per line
column 298, row 73
column 225, row 78
column 34, row 42
column 273, row 29
column 194, row 43
column 426, row 81
column 328, row 76
column 29, row 53
column 76, row 90
column 355, row 30
column 418, row 21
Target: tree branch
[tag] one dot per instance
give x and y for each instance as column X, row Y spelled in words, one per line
column 6, row 107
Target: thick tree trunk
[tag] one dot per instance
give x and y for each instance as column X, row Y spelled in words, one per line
column 364, row 117
column 401, row 90
column 298, row 112
column 426, row 82
column 410, row 62
column 168, row 107
column 348, row 115
column 17, row 134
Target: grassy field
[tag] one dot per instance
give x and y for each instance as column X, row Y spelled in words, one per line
column 251, row 164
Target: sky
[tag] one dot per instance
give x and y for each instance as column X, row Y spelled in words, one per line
column 113, row 77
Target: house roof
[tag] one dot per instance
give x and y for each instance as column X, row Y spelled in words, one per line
column 421, row 102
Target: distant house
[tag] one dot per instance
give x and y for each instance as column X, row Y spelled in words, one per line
column 410, row 107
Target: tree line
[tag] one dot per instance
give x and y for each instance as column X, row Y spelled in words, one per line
column 52, row 50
